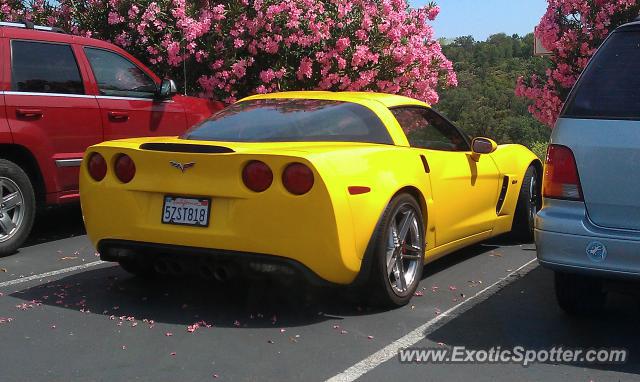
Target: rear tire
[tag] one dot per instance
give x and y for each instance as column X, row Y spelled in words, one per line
column 578, row 294
column 529, row 203
column 17, row 207
column 398, row 255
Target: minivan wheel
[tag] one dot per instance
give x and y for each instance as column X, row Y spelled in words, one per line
column 398, row 256
column 578, row 294
column 529, row 203
column 17, row 207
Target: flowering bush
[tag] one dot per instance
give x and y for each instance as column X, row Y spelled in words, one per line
column 239, row 47
column 572, row 30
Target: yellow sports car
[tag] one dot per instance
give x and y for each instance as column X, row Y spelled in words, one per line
column 341, row 188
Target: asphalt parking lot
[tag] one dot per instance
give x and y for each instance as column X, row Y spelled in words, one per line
column 65, row 316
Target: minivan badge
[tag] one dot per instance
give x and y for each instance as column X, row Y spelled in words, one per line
column 596, row 251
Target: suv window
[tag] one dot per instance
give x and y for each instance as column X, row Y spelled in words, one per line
column 117, row 76
column 608, row 88
column 427, row 129
column 44, row 68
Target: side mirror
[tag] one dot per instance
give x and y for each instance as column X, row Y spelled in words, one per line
column 482, row 145
column 167, row 89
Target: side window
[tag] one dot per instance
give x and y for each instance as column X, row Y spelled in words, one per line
column 44, row 68
column 427, row 130
column 119, row 77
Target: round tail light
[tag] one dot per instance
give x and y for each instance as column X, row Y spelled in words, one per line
column 125, row 168
column 97, row 167
column 297, row 178
column 257, row 176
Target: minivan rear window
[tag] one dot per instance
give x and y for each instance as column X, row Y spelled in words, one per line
column 610, row 86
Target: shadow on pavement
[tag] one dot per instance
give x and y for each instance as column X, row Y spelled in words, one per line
column 55, row 223
column 525, row 314
column 111, row 291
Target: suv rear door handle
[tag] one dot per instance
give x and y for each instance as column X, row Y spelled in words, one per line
column 29, row 113
column 118, row 116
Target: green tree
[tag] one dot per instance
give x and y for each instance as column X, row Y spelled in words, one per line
column 484, row 103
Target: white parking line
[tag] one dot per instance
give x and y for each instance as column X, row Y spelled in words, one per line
column 361, row 368
column 49, row 274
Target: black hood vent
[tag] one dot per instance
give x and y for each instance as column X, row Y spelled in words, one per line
column 186, row 148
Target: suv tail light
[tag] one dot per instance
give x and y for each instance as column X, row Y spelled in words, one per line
column 561, row 179
column 257, row 176
column 97, row 167
column 297, row 178
column 125, row 168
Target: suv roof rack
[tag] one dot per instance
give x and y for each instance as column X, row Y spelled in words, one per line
column 30, row 25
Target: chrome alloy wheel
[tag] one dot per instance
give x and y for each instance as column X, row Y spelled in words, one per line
column 12, row 211
column 405, row 250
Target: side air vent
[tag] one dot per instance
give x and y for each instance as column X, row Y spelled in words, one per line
column 503, row 194
column 186, row 148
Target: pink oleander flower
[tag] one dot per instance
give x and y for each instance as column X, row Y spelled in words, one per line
column 572, row 30
column 236, row 48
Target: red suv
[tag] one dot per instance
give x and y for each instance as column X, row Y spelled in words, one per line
column 60, row 94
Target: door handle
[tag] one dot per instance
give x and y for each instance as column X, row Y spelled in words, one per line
column 118, row 116
column 29, row 113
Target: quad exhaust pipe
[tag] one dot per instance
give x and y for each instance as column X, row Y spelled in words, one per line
column 218, row 272
column 168, row 267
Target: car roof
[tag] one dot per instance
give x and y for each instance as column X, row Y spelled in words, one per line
column 634, row 25
column 388, row 100
column 52, row 36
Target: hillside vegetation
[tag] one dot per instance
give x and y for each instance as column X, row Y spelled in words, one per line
column 484, row 103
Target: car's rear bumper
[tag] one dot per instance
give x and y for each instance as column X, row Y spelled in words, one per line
column 206, row 262
column 315, row 229
column 564, row 234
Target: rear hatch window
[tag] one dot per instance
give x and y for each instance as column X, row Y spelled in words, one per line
column 292, row 120
column 610, row 86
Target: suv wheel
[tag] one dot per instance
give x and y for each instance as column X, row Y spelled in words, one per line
column 578, row 294
column 17, row 207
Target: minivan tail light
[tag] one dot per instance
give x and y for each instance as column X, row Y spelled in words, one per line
column 125, row 169
column 97, row 166
column 561, row 179
column 257, row 176
column 297, row 178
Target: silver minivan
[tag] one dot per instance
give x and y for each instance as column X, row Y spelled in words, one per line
column 588, row 230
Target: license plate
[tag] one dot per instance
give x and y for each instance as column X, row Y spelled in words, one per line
column 186, row 211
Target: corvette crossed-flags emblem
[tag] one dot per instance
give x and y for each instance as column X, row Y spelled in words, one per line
column 182, row 167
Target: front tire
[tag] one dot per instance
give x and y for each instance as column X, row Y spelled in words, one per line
column 17, row 207
column 398, row 255
column 578, row 294
column 529, row 203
